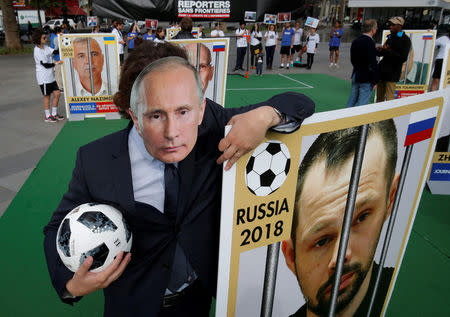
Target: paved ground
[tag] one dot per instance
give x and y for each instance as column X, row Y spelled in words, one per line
column 26, row 137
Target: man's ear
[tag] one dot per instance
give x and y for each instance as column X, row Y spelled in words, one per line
column 135, row 120
column 392, row 192
column 287, row 247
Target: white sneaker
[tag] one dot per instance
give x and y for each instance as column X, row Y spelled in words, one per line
column 331, row 65
column 336, row 65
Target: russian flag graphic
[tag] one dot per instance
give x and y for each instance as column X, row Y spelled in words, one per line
column 421, row 124
column 427, row 37
column 218, row 47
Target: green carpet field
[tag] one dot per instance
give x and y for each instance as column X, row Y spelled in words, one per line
column 422, row 287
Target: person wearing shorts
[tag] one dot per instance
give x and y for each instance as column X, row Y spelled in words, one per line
column 440, row 44
column 287, row 42
column 45, row 76
column 298, row 41
column 335, row 42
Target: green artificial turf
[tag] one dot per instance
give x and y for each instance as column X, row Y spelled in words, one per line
column 422, row 286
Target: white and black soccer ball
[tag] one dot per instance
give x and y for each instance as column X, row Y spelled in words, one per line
column 267, row 168
column 66, row 41
column 95, row 230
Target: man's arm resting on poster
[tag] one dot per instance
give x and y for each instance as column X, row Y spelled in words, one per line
column 284, row 113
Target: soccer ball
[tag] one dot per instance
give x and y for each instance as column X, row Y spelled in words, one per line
column 95, row 230
column 267, row 168
column 66, row 41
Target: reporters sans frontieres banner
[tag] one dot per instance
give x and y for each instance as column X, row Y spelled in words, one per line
column 90, row 74
column 265, row 203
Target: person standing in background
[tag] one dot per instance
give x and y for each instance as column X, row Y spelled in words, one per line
column 271, row 38
column 287, row 42
column 45, row 76
column 335, row 42
column 298, row 43
column 394, row 52
column 159, row 35
column 135, row 31
column 217, row 32
column 29, row 30
column 255, row 44
column 117, row 28
column 200, row 31
column 149, row 36
column 312, row 41
column 241, row 45
column 440, row 44
column 363, row 55
column 56, row 58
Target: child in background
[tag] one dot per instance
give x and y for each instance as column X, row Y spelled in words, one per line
column 259, row 62
column 312, row 41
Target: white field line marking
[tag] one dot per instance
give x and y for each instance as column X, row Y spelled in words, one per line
column 272, row 88
column 297, row 81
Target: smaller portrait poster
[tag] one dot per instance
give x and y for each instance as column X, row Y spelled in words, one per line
column 90, row 74
column 270, row 18
column 250, row 16
column 213, row 63
column 92, row 21
column 172, row 32
column 312, row 22
column 151, row 24
column 416, row 71
column 284, row 204
column 284, row 17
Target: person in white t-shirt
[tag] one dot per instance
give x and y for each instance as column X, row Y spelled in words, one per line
column 298, row 43
column 159, row 35
column 217, row 32
column 440, row 44
column 255, row 44
column 312, row 41
column 45, row 75
column 117, row 30
column 271, row 38
column 241, row 43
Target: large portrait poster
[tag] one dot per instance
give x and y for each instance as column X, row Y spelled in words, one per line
column 213, row 64
column 416, row 71
column 90, row 74
column 283, row 208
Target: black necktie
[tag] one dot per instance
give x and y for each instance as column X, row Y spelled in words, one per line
column 172, row 184
column 182, row 271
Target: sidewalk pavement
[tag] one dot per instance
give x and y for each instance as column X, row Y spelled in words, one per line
column 26, row 137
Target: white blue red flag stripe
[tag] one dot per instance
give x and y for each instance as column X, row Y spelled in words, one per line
column 218, row 47
column 427, row 37
column 421, row 124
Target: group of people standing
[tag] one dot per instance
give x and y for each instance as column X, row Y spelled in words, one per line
column 294, row 42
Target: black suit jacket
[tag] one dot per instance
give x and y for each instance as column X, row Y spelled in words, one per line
column 102, row 174
column 390, row 67
column 363, row 55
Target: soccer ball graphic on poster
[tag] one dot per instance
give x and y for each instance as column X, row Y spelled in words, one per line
column 95, row 230
column 66, row 41
column 267, row 168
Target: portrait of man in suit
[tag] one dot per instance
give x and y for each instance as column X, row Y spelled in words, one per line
column 164, row 173
column 322, row 188
column 206, row 70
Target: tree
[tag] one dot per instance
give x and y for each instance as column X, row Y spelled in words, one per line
column 10, row 25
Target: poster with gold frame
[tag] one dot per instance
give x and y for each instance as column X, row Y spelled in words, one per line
column 213, row 64
column 90, row 74
column 269, row 207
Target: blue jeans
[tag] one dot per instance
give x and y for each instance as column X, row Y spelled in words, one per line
column 360, row 93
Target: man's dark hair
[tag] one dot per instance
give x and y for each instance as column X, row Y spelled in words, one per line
column 36, row 37
column 142, row 55
column 337, row 146
column 368, row 25
column 57, row 29
column 186, row 24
